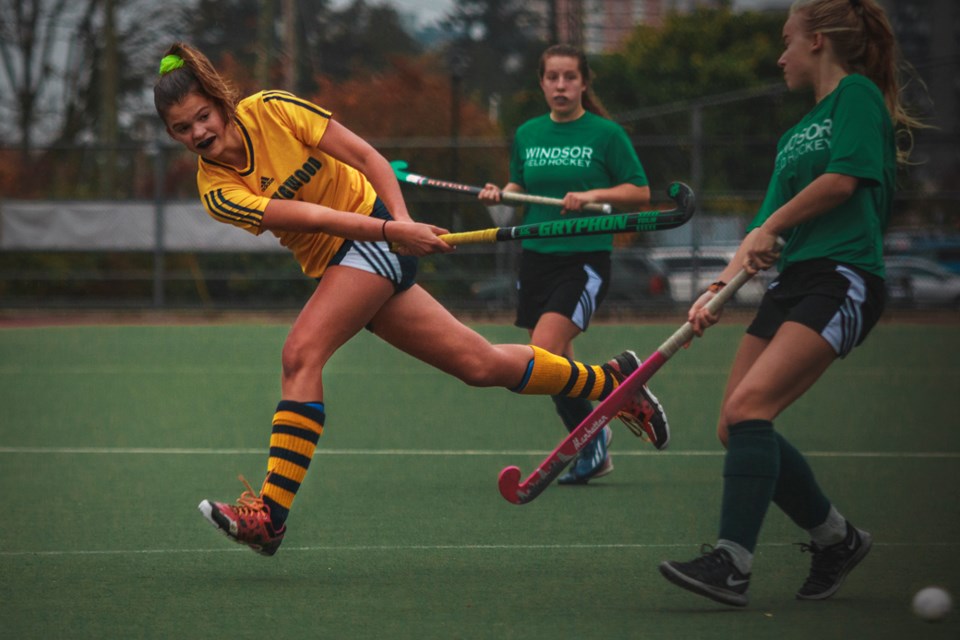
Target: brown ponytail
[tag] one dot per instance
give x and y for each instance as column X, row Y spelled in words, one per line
column 195, row 75
column 864, row 43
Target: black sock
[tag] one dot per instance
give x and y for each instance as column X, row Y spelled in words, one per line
column 797, row 492
column 572, row 411
column 750, row 471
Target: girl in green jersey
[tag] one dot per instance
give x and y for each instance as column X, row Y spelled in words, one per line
column 577, row 154
column 829, row 198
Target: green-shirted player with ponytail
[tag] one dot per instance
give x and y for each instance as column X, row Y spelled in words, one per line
column 829, row 197
column 578, row 155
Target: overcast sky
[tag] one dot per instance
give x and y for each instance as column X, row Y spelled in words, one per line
column 427, row 11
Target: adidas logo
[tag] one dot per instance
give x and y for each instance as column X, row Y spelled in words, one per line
column 264, row 183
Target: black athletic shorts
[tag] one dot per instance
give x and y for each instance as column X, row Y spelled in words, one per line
column 572, row 285
column 840, row 302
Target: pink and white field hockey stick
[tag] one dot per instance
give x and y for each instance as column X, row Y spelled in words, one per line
column 521, row 493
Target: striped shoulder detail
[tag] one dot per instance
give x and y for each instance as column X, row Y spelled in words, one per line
column 229, row 211
column 283, row 96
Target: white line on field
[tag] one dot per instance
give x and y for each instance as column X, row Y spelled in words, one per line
column 162, row 451
column 424, row 547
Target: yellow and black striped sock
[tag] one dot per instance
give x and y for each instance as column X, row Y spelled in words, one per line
column 549, row 374
column 297, row 427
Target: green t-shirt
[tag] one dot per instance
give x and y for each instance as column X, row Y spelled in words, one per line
column 554, row 158
column 848, row 132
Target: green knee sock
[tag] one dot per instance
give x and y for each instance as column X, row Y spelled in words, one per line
column 797, row 492
column 750, row 471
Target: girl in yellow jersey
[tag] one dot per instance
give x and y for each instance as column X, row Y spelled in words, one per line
column 275, row 162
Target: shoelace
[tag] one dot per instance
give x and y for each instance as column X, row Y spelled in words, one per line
column 638, row 424
column 708, row 556
column 249, row 502
column 824, row 566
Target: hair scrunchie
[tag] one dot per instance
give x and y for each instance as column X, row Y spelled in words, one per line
column 169, row 63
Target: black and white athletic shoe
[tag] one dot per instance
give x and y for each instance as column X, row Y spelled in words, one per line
column 831, row 564
column 712, row 575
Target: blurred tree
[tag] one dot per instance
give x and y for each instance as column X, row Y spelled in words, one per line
column 229, row 33
column 358, row 39
column 693, row 57
column 495, row 47
column 274, row 44
column 29, row 41
column 52, row 65
column 410, row 100
column 695, row 54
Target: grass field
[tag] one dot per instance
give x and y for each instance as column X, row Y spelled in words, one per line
column 111, row 435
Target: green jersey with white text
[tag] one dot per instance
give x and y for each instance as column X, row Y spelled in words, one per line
column 554, row 158
column 848, row 132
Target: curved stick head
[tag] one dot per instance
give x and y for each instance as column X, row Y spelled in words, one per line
column 684, row 197
column 509, row 484
column 400, row 169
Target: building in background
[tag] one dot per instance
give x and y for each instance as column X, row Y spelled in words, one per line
column 602, row 26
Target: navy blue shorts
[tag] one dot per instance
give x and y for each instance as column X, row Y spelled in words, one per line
column 376, row 257
column 840, row 302
column 572, row 285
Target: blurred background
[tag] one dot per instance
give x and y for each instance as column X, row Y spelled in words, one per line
column 99, row 210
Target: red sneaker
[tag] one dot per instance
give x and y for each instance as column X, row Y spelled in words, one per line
column 643, row 413
column 246, row 522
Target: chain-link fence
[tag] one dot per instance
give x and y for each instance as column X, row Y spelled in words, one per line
column 140, row 239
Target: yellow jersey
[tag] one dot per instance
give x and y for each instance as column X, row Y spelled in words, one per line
column 281, row 132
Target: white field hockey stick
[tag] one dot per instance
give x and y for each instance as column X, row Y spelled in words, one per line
column 400, row 170
column 626, row 393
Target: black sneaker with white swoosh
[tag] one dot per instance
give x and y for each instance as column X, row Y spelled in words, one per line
column 831, row 564
column 713, row 575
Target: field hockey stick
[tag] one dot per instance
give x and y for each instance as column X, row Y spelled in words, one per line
column 638, row 221
column 400, row 170
column 521, row 493
column 635, row 222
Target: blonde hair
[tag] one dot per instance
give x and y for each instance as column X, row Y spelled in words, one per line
column 864, row 43
column 196, row 75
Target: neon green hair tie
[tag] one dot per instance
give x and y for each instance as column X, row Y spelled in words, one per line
column 169, row 63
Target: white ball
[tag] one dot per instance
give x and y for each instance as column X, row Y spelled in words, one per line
column 932, row 603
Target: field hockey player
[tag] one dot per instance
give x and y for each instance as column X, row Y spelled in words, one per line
column 275, row 162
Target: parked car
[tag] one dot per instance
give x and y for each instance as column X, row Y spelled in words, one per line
column 636, row 279
column 919, row 282
column 681, row 263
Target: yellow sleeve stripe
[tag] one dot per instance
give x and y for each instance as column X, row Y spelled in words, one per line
column 228, row 211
